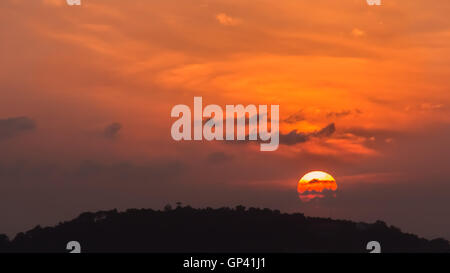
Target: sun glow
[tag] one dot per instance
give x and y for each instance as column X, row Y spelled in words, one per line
column 312, row 184
column 316, row 175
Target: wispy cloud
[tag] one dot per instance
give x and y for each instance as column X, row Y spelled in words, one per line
column 227, row 20
column 111, row 131
column 12, row 127
column 295, row 137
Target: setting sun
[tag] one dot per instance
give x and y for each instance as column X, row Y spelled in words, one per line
column 316, row 175
column 312, row 185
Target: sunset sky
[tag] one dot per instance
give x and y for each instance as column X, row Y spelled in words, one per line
column 86, row 94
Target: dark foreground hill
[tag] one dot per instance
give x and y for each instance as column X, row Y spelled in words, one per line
column 185, row 229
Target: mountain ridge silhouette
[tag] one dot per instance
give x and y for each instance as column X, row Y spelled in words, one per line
column 185, row 229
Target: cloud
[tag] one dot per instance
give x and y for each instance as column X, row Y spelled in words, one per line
column 325, row 131
column 246, row 119
column 425, row 107
column 317, row 114
column 227, row 20
column 219, row 157
column 295, row 137
column 342, row 113
column 296, row 117
column 112, row 130
column 358, row 32
column 316, row 189
column 374, row 135
column 12, row 127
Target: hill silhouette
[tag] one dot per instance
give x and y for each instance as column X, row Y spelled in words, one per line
column 185, row 229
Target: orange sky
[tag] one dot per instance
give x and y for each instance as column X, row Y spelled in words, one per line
column 381, row 75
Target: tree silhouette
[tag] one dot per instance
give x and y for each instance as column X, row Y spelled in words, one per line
column 215, row 230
